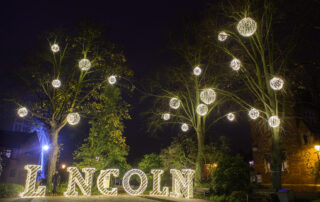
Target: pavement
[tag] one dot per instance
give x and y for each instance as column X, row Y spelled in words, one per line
column 120, row 198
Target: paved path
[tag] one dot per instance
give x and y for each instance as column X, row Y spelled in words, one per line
column 124, row 198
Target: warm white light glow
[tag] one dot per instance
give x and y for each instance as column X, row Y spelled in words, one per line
column 174, row 103
column 197, row 71
column 182, row 183
column 184, row 127
column 235, row 64
column 112, row 80
column 231, row 116
column 73, row 118
column 75, row 178
column 202, row 109
column 22, row 112
column 84, row 64
column 45, row 147
column 143, row 182
column 156, row 190
column 317, row 147
column 56, row 83
column 254, row 113
column 63, row 166
column 55, row 48
column 222, row 36
column 247, row 27
column 166, row 116
column 276, row 83
column 208, row 96
column 103, row 182
column 274, row 121
column 30, row 186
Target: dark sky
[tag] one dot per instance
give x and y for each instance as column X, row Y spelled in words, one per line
column 139, row 26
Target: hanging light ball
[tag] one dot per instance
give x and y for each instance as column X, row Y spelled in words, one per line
column 73, row 118
column 184, row 127
column 56, row 83
column 235, row 64
column 222, row 36
column 166, row 116
column 247, row 27
column 208, row 96
column 174, row 103
column 231, row 116
column 202, row 109
column 112, row 80
column 254, row 113
column 55, row 48
column 22, row 112
column 197, row 71
column 276, row 83
column 274, row 121
column 84, row 64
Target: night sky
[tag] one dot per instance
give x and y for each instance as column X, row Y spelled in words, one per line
column 139, row 27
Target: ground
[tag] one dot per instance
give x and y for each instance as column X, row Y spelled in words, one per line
column 124, row 198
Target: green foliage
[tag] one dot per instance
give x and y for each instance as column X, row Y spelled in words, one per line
column 234, row 197
column 10, row 190
column 150, row 161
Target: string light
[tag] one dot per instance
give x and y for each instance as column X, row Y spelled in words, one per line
column 184, row 127
column 254, row 113
column 231, row 116
column 84, row 64
column 174, row 103
column 208, row 96
column 274, row 121
column 143, row 182
column 112, row 80
column 166, row 116
column 55, row 48
column 276, row 83
column 22, row 112
column 202, row 109
column 197, row 71
column 156, row 190
column 182, row 186
column 103, row 182
column 73, row 118
column 222, row 36
column 30, row 186
column 247, row 27
column 76, row 178
column 56, row 83
column 235, row 64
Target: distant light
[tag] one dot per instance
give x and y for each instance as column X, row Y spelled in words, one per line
column 174, row 103
column 112, row 80
column 231, row 116
column 55, row 48
column 45, row 147
column 274, row 121
column 276, row 83
column 22, row 112
column 235, row 64
column 247, row 27
column 56, row 83
column 222, row 36
column 317, row 147
column 197, row 71
column 254, row 113
column 184, row 127
column 63, row 166
column 202, row 109
column 166, row 116
column 73, row 118
column 84, row 64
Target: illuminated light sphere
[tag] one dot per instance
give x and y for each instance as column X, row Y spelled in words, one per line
column 184, row 127
column 174, row 103
column 231, row 116
column 197, row 71
column 56, row 83
column 45, row 147
column 254, row 113
column 202, row 109
column 274, row 121
column 247, row 27
column 208, row 96
column 73, row 118
column 84, row 64
column 222, row 36
column 276, row 83
column 112, row 80
column 166, row 116
column 55, row 48
column 235, row 64
column 22, row 112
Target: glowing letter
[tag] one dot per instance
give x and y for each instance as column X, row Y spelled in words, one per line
column 76, row 178
column 182, row 186
column 143, row 182
column 103, row 182
column 30, row 187
column 156, row 184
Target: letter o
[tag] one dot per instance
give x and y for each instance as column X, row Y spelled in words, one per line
column 143, row 182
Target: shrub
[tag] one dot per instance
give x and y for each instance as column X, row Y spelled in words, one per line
column 10, row 190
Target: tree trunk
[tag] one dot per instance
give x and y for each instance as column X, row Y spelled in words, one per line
column 276, row 160
column 53, row 154
column 200, row 158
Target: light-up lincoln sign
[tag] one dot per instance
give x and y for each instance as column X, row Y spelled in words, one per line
column 182, row 182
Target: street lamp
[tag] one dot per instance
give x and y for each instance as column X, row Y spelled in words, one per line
column 45, row 147
column 63, row 166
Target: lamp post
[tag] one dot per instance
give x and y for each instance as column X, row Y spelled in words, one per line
column 317, row 148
